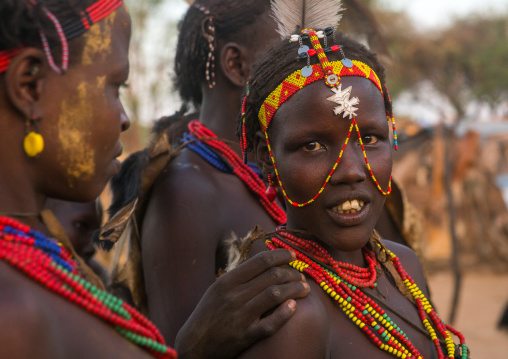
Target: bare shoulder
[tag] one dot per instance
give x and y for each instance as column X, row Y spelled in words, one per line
column 36, row 323
column 23, row 332
column 410, row 262
column 304, row 336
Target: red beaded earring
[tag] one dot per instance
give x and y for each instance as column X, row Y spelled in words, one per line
column 271, row 192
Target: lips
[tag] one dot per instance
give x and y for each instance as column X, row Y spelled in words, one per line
column 119, row 151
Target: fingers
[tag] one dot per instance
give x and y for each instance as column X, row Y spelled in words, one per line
column 270, row 324
column 273, row 296
column 259, row 264
column 270, row 280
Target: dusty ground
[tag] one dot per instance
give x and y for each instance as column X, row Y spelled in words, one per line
column 483, row 298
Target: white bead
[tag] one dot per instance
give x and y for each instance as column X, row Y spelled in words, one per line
column 320, row 34
column 294, row 38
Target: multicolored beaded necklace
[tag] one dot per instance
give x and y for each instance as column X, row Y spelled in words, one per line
column 343, row 282
column 48, row 263
column 205, row 143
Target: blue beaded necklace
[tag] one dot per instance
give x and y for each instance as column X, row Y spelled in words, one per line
column 212, row 157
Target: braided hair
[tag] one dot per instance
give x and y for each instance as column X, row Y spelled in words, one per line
column 231, row 19
column 21, row 21
column 281, row 61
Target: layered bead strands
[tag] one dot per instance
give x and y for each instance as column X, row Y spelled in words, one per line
column 219, row 155
column 343, row 283
column 46, row 262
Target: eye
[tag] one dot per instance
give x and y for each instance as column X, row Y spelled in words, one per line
column 369, row 139
column 312, row 146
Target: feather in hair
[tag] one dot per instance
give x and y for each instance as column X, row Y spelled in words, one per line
column 292, row 16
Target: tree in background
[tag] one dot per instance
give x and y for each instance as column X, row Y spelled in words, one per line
column 465, row 63
column 151, row 61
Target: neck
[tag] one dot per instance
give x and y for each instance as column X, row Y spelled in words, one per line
column 19, row 198
column 354, row 257
column 220, row 110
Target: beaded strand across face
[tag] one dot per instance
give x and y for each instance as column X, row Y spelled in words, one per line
column 332, row 73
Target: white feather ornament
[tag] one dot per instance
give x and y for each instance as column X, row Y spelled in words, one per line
column 292, row 16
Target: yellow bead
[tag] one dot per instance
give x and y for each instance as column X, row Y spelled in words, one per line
column 33, row 144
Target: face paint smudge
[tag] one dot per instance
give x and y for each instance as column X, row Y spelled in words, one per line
column 74, row 133
column 98, row 40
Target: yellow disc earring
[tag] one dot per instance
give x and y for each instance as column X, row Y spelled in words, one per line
column 33, row 144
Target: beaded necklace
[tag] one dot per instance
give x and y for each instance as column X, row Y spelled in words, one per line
column 48, row 263
column 343, row 283
column 222, row 157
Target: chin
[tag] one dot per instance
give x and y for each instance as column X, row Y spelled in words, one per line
column 349, row 239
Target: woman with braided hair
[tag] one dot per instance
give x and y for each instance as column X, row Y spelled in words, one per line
column 62, row 65
column 57, row 58
column 317, row 114
column 202, row 192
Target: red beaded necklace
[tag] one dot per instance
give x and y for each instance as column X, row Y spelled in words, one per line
column 240, row 169
column 342, row 281
column 48, row 263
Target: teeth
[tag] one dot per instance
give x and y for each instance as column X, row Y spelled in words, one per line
column 350, row 206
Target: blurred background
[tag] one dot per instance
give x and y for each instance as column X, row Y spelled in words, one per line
column 447, row 67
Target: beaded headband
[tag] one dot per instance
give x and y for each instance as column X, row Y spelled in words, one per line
column 67, row 30
column 332, row 73
column 297, row 81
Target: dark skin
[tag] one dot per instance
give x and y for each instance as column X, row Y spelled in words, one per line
column 87, row 96
column 79, row 221
column 193, row 207
column 306, row 138
column 35, row 322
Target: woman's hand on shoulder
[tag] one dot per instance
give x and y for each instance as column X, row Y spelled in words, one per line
column 232, row 315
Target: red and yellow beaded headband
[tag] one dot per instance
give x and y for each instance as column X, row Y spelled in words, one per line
column 332, row 72
column 297, row 81
column 67, row 30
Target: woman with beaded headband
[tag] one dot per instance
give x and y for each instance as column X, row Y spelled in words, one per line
column 316, row 115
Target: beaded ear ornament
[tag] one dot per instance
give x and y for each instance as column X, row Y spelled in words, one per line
column 331, row 72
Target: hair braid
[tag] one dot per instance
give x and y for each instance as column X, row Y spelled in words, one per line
column 231, row 19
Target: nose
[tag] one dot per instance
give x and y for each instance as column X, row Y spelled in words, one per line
column 352, row 168
column 125, row 123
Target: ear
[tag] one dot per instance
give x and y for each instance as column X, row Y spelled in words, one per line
column 24, row 81
column 263, row 159
column 234, row 63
